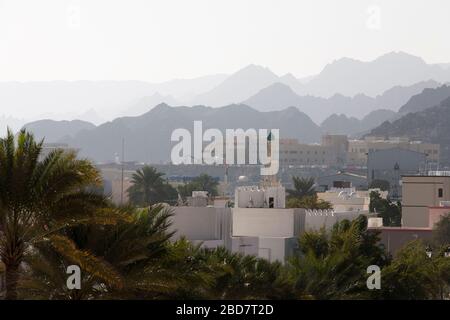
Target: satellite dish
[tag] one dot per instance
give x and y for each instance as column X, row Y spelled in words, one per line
column 243, row 179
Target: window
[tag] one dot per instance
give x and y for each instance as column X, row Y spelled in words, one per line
column 440, row 192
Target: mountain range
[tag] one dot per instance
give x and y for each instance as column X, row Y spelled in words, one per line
column 341, row 124
column 428, row 98
column 351, row 77
column 343, row 77
column 350, row 86
column 430, row 125
column 279, row 96
column 147, row 137
column 55, row 131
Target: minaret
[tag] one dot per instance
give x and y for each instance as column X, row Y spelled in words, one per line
column 269, row 180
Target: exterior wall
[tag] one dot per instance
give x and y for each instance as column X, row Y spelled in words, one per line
column 294, row 153
column 256, row 197
column 263, row 222
column 276, row 249
column 356, row 201
column 394, row 238
column 316, row 219
column 338, row 145
column 116, row 190
column 359, row 149
column 436, row 214
column 356, row 181
column 201, row 223
column 245, row 245
column 419, row 193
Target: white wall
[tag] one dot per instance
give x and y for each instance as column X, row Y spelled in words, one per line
column 276, row 249
column 200, row 223
column 315, row 221
column 264, row 222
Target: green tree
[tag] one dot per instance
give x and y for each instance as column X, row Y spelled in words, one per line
column 38, row 198
column 441, row 232
column 302, row 187
column 239, row 276
column 309, row 202
column 383, row 185
column 304, row 195
column 414, row 275
column 332, row 265
column 203, row 182
column 389, row 211
column 149, row 187
column 137, row 252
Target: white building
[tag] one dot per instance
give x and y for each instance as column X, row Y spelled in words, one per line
column 318, row 219
column 208, row 225
column 257, row 197
column 259, row 224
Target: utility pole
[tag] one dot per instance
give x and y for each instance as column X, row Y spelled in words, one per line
column 123, row 160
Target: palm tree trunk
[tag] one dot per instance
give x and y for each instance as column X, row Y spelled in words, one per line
column 11, row 280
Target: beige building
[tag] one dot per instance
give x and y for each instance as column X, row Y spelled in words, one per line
column 420, row 193
column 359, row 149
column 337, row 150
column 349, row 199
column 338, row 145
column 294, row 153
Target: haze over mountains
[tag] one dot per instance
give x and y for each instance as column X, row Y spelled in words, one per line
column 279, row 96
column 430, row 125
column 428, row 98
column 148, row 136
column 354, row 97
column 349, row 85
column 350, row 77
column 56, row 131
column 341, row 124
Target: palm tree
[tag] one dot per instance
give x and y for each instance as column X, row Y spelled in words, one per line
column 332, row 265
column 149, row 187
column 38, row 198
column 203, row 182
column 302, row 187
column 309, row 202
column 137, row 251
column 239, row 276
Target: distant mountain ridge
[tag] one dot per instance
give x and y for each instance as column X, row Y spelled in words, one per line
column 55, row 131
column 237, row 87
column 428, row 98
column 147, row 137
column 350, row 84
column 341, row 124
column 279, row 96
column 350, row 77
column 430, row 125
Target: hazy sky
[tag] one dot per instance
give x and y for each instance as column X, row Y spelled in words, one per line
column 157, row 40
